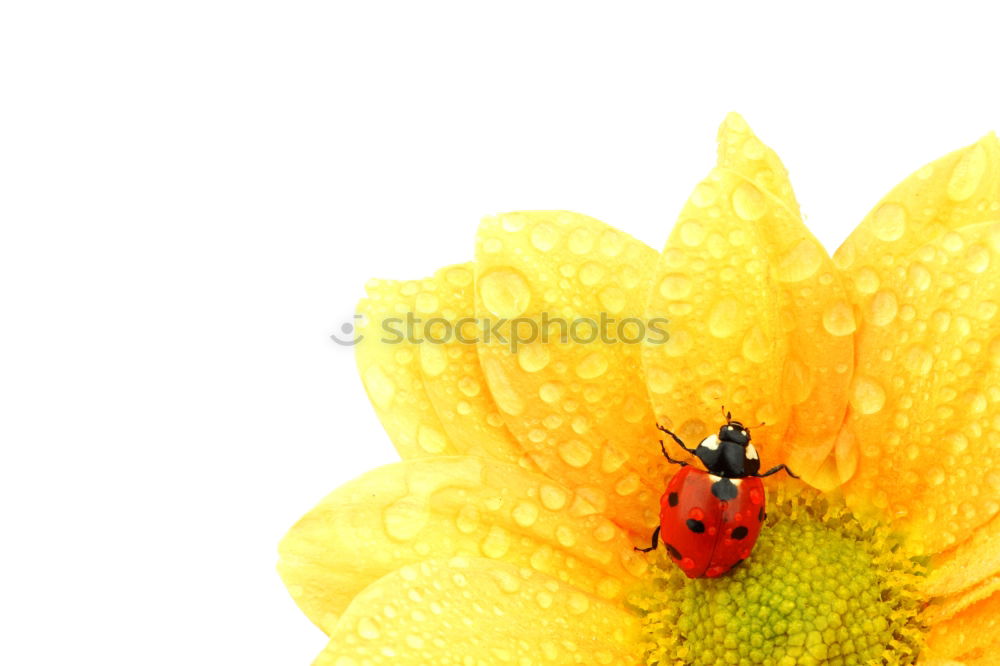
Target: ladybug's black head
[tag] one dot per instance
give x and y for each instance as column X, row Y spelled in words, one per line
column 734, row 432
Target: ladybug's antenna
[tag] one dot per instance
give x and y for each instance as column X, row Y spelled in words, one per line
column 727, row 415
column 756, row 426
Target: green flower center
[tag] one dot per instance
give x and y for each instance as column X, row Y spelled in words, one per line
column 819, row 588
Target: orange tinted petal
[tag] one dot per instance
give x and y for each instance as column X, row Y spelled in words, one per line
column 388, row 359
column 478, row 611
column 758, row 317
column 971, row 561
column 442, row 507
column 578, row 407
column 974, row 628
column 925, row 402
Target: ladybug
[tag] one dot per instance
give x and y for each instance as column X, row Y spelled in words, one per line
column 709, row 520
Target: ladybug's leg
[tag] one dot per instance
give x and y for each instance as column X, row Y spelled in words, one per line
column 667, row 456
column 656, row 541
column 676, row 439
column 775, row 470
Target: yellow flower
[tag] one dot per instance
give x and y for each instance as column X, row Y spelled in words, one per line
column 531, row 469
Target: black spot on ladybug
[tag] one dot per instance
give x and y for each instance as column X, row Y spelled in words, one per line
column 761, row 515
column 674, row 553
column 695, row 526
column 724, row 489
column 672, row 499
column 740, row 532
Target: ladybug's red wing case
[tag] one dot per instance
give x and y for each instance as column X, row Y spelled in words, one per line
column 691, row 518
column 742, row 518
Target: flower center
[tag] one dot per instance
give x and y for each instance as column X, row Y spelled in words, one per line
column 819, row 588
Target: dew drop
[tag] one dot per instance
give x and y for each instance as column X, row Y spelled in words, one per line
column 918, row 360
column 405, row 518
column 613, row 299
column 459, row 276
column 533, row 357
column 433, row 359
column 505, row 293
column 801, row 262
column 544, row 237
column 430, row 440
column 591, row 273
column 755, row 345
column 748, row 202
column 838, row 319
column 704, row 195
column 967, row 174
column 525, row 513
column 506, row 396
column 552, row 497
column 497, row 542
column 675, row 286
column 726, row 318
column 367, row 629
column 575, row 453
column 867, row 395
column 866, row 281
column 692, row 233
column 592, row 366
column 889, row 222
column 883, row 308
column 469, row 386
column 581, row 241
column 550, row 392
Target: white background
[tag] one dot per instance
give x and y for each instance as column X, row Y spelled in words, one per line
column 192, row 195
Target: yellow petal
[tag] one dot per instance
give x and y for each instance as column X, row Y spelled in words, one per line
column 758, row 317
column 443, row 507
column 974, row 628
column 452, row 377
column 388, row 359
column 947, row 607
column 957, row 190
column 925, row 403
column 477, row 611
column 967, row 563
column 578, row 408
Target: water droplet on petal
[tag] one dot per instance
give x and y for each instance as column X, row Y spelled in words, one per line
column 505, row 293
column 692, row 233
column 544, row 237
column 575, row 453
column 675, row 286
column 525, row 513
column 801, row 262
column 592, row 366
column 430, row 440
column 967, row 174
column 756, row 345
column 505, row 394
column 867, row 395
column 497, row 542
column 591, row 273
column 726, row 318
column 581, row 241
column 433, row 359
column 533, row 357
column 405, row 518
column 838, row 319
column 613, row 299
column 748, row 202
column 889, row 222
column 883, row 308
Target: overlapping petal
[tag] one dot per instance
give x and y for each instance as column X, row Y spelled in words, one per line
column 574, row 400
column 968, row 563
column 444, row 507
column 922, row 439
column 388, row 358
column 758, row 317
column 969, row 634
column 446, row 611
